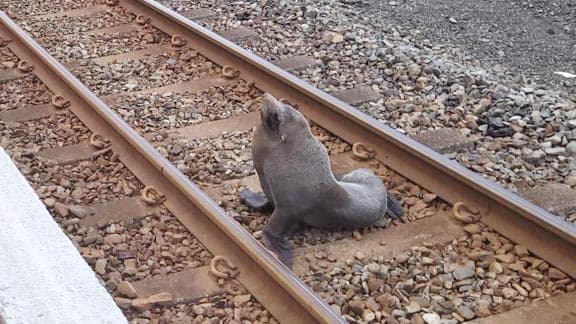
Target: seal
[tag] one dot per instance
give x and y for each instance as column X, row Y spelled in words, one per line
column 294, row 171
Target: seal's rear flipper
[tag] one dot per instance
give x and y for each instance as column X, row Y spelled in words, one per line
column 255, row 200
column 394, row 209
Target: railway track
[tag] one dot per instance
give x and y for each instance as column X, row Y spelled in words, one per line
column 139, row 144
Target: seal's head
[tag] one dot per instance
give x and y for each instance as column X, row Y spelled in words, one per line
column 281, row 119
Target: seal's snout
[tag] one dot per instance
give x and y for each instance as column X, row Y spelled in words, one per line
column 268, row 98
column 270, row 112
column 268, row 102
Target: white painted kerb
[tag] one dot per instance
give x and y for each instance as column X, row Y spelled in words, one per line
column 43, row 278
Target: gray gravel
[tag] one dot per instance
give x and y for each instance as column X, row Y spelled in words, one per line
column 476, row 275
column 534, row 37
column 17, row 8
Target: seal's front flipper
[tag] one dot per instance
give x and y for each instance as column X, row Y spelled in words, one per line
column 394, row 209
column 280, row 247
column 255, row 200
column 275, row 237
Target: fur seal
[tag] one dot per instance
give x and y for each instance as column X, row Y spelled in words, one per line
column 294, row 170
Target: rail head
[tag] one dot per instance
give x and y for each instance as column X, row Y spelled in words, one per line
column 507, row 212
column 300, row 293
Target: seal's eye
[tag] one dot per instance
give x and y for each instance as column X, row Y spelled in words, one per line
column 272, row 121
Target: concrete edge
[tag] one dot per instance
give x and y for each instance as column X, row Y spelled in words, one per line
column 43, row 278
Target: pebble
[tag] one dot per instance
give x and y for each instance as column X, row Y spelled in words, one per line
column 413, row 307
column 520, row 289
column 509, row 292
column 467, row 270
column 536, row 155
column 417, row 319
column 92, row 237
column 466, row 312
column 398, row 313
column 555, row 150
column 571, row 180
column 457, row 317
column 496, row 267
column 240, row 300
column 61, row 209
column 77, row 211
column 521, row 251
column 146, row 303
column 368, row 315
column 356, row 306
column 473, row 228
column 9, row 64
column 375, row 284
column 126, row 289
column 427, row 261
column 571, row 148
column 556, row 274
column 100, row 266
column 123, row 303
column 49, row 202
column 527, row 90
column 482, row 311
column 373, row 267
column 429, row 197
column 506, row 258
column 114, row 238
column 386, row 300
column 402, row 257
column 431, row 318
column 337, row 38
column 198, row 310
column 414, row 70
column 335, row 308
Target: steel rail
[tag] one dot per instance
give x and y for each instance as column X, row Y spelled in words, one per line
column 540, row 231
column 274, row 285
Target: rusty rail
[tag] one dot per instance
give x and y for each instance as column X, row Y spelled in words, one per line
column 274, row 285
column 542, row 232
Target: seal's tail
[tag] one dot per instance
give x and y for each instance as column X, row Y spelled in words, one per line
column 394, row 209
